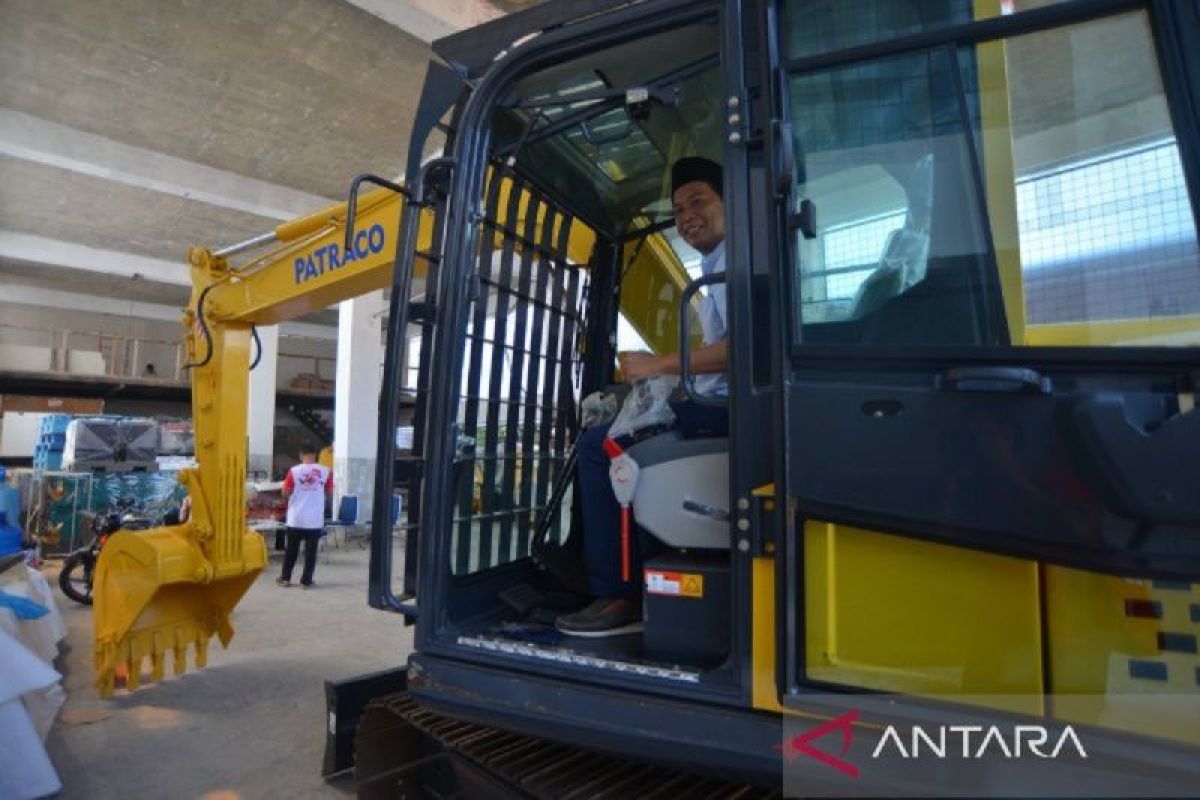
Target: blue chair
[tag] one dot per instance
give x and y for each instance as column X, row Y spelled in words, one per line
column 348, row 510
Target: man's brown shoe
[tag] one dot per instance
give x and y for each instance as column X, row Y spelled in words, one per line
column 606, row 616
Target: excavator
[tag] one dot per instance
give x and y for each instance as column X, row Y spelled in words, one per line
column 951, row 544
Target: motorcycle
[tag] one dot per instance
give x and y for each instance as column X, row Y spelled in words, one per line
column 78, row 568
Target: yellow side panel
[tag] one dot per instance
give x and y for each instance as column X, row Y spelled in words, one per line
column 763, row 692
column 1000, row 172
column 1122, row 653
column 893, row 614
column 1158, row 331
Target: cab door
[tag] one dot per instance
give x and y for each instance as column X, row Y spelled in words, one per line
column 992, row 348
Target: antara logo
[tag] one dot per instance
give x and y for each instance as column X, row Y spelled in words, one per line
column 331, row 257
column 802, row 745
column 1021, row 740
column 944, row 741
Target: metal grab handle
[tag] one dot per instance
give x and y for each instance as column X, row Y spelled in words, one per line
column 686, row 378
column 380, row 594
column 993, row 379
column 352, row 203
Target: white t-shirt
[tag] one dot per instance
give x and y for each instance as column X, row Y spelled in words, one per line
column 712, row 322
column 306, row 506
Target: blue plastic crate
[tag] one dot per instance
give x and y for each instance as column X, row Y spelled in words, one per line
column 55, row 441
column 55, row 423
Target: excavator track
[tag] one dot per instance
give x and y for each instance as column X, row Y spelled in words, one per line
column 406, row 751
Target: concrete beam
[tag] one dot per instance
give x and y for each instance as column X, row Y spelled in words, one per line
column 30, row 249
column 73, row 301
column 428, row 20
column 31, row 138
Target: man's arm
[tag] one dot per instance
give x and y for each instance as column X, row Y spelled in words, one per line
column 288, row 485
column 706, row 359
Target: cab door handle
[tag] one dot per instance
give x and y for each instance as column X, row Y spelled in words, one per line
column 993, row 379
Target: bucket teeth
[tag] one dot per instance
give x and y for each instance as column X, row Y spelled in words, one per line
column 123, row 665
column 201, row 652
column 156, row 659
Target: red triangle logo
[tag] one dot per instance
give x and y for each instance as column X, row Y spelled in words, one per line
column 802, row 745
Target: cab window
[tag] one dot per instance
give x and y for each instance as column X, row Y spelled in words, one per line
column 1020, row 191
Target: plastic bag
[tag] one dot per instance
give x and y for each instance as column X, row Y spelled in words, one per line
column 599, row 408
column 646, row 406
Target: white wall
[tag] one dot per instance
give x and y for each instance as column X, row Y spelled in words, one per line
column 23, row 326
column 19, row 432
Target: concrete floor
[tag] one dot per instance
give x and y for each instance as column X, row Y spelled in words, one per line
column 251, row 724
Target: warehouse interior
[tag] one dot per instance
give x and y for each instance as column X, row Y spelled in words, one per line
column 131, row 132
column 952, row 308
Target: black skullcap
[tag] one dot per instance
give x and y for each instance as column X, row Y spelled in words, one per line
column 694, row 168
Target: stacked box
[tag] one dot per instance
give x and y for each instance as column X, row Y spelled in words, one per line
column 178, row 438
column 112, row 444
column 48, row 452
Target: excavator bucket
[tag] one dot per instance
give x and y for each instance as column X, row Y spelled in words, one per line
column 156, row 593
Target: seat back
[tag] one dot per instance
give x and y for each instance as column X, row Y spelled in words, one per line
column 682, row 495
column 348, row 509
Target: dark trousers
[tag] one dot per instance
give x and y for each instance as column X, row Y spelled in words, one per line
column 602, row 513
column 310, row 537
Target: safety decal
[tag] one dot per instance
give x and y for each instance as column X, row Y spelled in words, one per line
column 674, row 584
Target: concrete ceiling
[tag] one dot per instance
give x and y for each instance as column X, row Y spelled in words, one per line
column 133, row 129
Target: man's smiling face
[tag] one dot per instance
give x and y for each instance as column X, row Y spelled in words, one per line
column 699, row 215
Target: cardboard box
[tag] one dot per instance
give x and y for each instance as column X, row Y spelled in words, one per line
column 50, row 405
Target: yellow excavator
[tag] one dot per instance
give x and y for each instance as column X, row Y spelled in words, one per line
column 952, row 542
column 174, row 588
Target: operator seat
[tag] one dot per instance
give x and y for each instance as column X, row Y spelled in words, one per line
column 682, row 496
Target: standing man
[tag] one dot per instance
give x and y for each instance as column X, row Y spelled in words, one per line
column 696, row 200
column 306, row 486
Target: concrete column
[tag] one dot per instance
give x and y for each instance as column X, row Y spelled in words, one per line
column 260, row 428
column 356, row 405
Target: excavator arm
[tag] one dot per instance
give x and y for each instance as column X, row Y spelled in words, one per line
column 166, row 590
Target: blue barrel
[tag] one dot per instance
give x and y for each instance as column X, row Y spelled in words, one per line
column 10, row 537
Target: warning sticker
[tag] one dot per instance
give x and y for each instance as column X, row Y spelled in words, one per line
column 674, row 584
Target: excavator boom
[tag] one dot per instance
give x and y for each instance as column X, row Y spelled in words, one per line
column 173, row 588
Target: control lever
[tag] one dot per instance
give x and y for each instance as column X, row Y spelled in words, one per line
column 623, row 472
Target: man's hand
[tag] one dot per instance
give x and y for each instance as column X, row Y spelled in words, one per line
column 640, row 364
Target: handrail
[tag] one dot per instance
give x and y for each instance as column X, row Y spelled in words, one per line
column 686, row 379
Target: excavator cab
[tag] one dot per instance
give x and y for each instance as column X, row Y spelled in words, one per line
column 936, row 482
column 576, row 258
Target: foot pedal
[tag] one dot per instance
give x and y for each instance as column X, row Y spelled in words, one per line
column 522, row 598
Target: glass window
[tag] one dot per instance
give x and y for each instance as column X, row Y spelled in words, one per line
column 1077, row 137
column 609, row 158
column 1063, row 136
column 813, row 27
column 829, row 25
column 900, row 253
